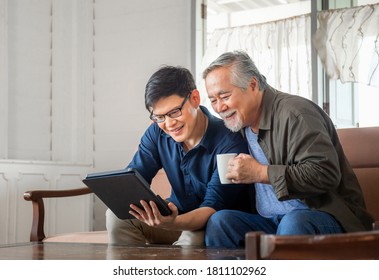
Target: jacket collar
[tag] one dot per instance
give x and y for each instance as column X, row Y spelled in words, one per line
column 269, row 96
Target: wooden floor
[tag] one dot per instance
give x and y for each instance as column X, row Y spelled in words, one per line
column 86, row 251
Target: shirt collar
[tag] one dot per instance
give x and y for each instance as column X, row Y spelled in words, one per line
column 206, row 142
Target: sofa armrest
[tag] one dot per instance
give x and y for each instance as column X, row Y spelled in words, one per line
column 36, row 197
column 343, row 246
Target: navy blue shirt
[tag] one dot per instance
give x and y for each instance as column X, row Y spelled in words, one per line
column 193, row 175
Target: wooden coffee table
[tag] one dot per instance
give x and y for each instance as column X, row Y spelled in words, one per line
column 88, row 251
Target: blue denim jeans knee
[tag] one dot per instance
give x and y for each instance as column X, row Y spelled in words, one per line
column 308, row 222
column 227, row 228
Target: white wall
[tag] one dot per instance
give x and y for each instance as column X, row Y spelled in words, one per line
column 132, row 39
column 102, row 54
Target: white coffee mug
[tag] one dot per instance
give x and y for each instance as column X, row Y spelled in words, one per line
column 222, row 166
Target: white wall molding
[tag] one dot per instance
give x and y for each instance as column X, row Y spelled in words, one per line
column 16, row 177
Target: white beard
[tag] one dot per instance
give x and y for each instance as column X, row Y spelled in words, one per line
column 234, row 124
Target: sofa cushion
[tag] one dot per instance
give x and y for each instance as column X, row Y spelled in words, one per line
column 361, row 146
column 369, row 180
column 80, row 237
column 361, row 149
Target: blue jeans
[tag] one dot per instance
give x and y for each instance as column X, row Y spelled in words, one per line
column 227, row 228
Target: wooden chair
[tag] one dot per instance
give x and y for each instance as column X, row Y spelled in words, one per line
column 346, row 246
column 160, row 185
column 37, row 197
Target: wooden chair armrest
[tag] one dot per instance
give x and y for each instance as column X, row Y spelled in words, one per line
column 36, row 197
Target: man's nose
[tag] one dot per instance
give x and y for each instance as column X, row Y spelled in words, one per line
column 221, row 106
column 169, row 121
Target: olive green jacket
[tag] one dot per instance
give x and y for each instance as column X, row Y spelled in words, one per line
column 306, row 160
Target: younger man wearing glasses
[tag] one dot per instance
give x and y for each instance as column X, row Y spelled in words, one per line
column 184, row 140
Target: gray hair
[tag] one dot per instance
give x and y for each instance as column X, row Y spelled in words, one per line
column 243, row 69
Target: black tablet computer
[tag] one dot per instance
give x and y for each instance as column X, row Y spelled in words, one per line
column 120, row 188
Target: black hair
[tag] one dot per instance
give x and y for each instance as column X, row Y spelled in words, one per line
column 167, row 81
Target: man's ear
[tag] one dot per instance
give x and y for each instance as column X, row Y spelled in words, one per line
column 195, row 97
column 254, row 86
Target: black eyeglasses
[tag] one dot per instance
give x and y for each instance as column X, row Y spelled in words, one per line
column 172, row 114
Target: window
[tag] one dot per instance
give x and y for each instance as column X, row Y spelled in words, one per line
column 348, row 104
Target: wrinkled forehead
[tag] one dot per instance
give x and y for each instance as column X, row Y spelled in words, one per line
column 217, row 83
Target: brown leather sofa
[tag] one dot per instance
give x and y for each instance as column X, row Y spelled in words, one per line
column 360, row 146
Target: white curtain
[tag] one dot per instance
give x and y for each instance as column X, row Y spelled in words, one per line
column 347, row 42
column 280, row 49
